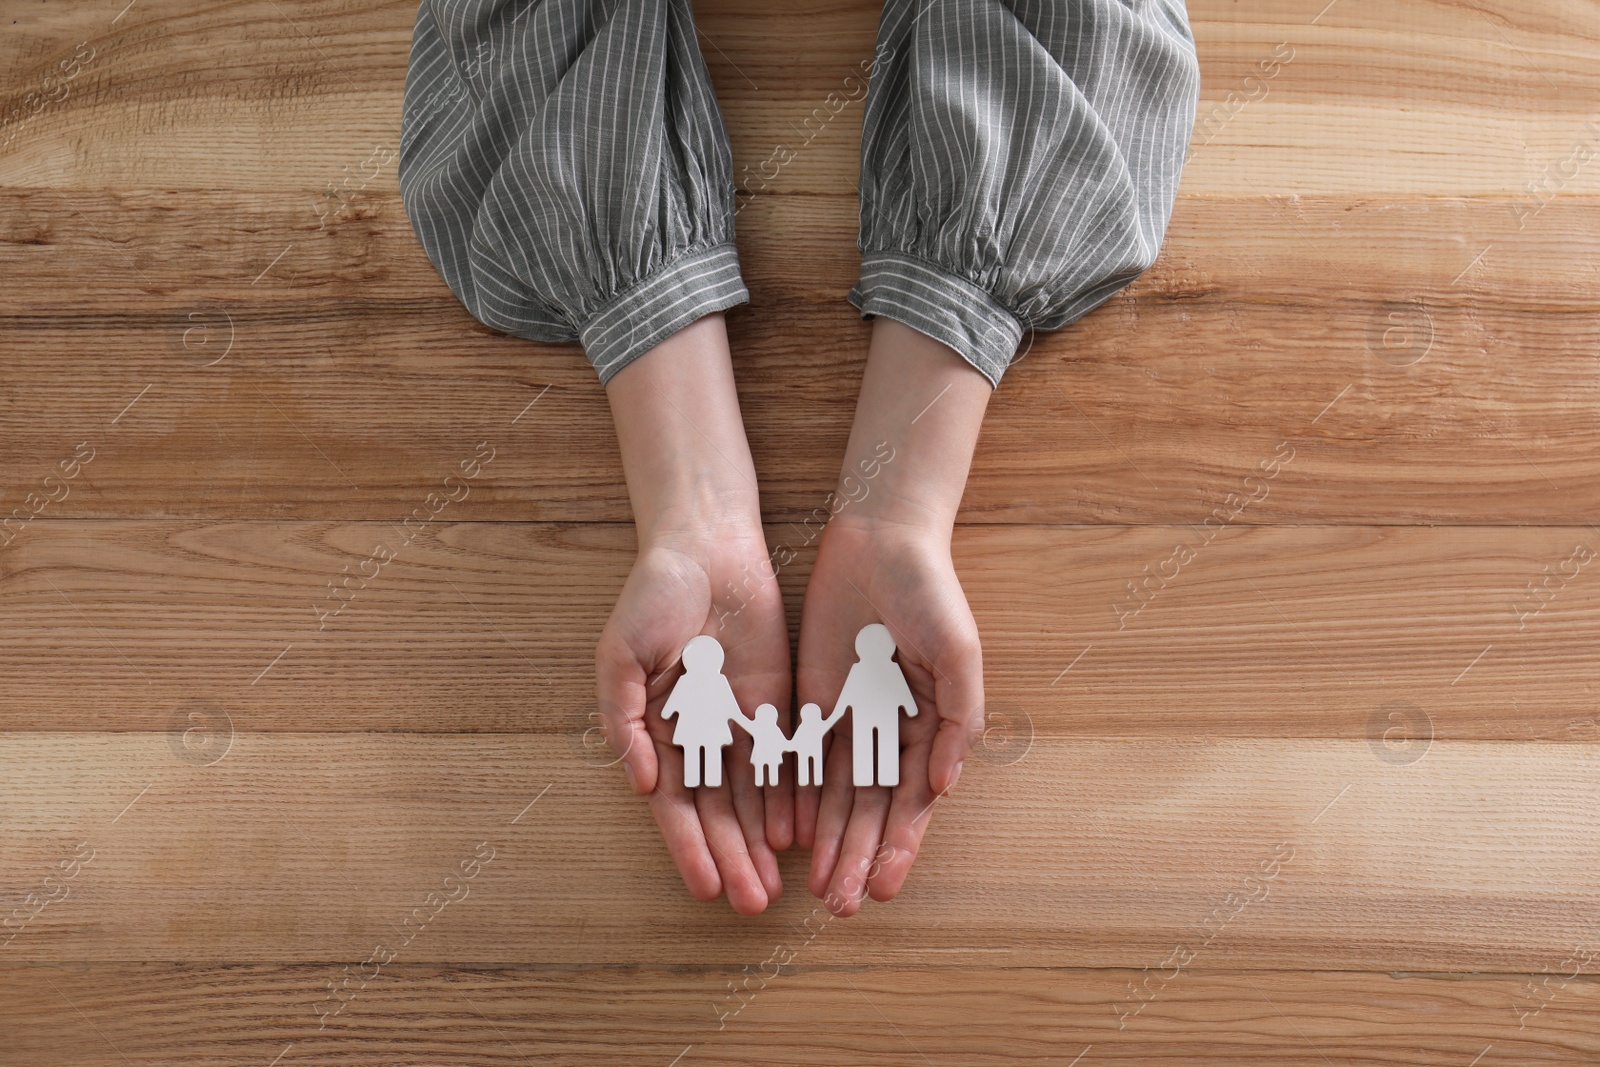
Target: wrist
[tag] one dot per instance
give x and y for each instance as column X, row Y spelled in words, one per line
column 694, row 513
column 907, row 531
column 890, row 507
column 688, row 466
column 916, row 425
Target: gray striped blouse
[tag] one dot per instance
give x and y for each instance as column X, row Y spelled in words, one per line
column 566, row 168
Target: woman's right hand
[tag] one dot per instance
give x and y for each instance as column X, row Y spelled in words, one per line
column 723, row 839
column 702, row 568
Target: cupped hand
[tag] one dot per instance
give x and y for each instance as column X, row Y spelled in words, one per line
column 864, row 840
column 716, row 581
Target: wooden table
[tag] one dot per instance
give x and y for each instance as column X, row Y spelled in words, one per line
column 1323, row 788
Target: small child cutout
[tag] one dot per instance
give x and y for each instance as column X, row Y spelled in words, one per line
column 704, row 703
column 807, row 743
column 770, row 744
column 875, row 691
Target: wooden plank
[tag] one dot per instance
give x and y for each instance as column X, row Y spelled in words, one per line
column 1279, row 854
column 277, row 371
column 1456, row 100
column 105, row 1015
column 1324, row 741
column 1265, row 631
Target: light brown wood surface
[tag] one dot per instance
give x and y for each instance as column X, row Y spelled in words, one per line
column 1270, row 631
column 1350, row 685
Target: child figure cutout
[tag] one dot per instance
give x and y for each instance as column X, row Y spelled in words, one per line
column 807, row 743
column 704, row 703
column 770, row 744
column 875, row 691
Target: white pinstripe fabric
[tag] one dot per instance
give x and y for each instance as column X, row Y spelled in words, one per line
column 566, row 168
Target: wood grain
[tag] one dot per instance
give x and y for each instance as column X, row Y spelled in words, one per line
column 1380, row 262
column 1264, row 632
column 276, row 95
column 211, row 1014
column 1475, row 857
column 250, row 366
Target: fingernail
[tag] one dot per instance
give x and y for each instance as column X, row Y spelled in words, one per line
column 955, row 776
column 632, row 780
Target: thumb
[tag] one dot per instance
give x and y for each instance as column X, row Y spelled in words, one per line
column 620, row 688
column 958, row 698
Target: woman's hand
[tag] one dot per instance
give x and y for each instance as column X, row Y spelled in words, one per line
column 864, row 840
column 722, row 839
column 702, row 568
column 885, row 557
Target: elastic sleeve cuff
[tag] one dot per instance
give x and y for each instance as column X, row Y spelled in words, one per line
column 947, row 308
column 637, row 319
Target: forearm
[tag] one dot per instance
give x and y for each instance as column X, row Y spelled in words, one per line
column 682, row 438
column 928, row 404
column 700, row 571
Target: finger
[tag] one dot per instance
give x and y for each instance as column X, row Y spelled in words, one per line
column 779, row 808
column 729, row 848
column 757, row 667
column 848, row 887
column 779, row 799
column 807, row 799
column 833, row 814
column 958, row 697
column 620, row 684
column 674, row 809
column 909, row 814
column 749, row 804
column 821, row 813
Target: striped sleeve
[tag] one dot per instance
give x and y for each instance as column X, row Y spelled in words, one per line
column 1019, row 162
column 565, row 166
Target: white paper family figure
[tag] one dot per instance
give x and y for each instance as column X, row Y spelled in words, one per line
column 704, row 703
column 875, row 690
column 770, row 744
column 807, row 742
